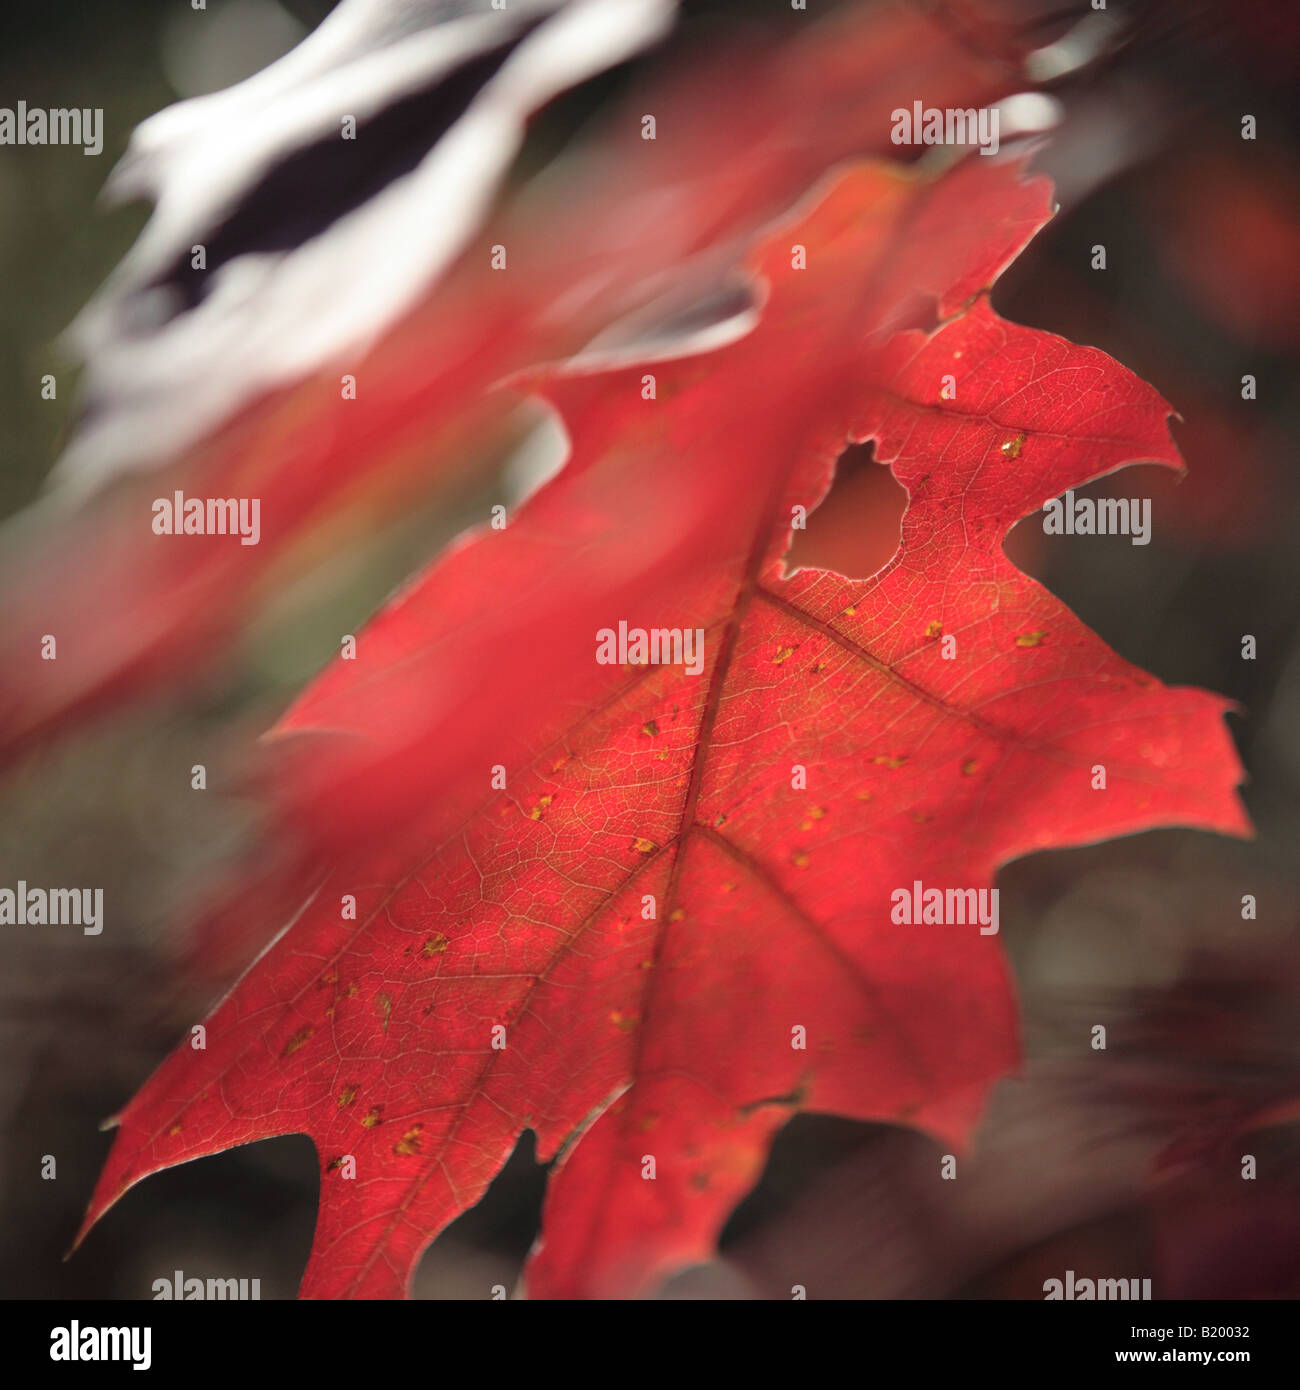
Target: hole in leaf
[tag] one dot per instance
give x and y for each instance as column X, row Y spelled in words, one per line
column 855, row 530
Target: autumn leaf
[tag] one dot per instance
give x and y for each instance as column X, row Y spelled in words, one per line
column 667, row 927
column 615, row 228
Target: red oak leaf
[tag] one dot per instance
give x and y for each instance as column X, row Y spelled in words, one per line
column 673, row 926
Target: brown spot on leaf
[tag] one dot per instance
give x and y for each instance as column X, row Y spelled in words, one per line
column 372, row 1116
column 346, row 1096
column 297, row 1041
column 409, row 1143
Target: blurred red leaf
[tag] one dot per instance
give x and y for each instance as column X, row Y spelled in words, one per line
column 610, row 230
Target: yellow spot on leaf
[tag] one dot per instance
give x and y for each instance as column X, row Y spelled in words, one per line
column 371, row 1118
column 1012, row 447
column 297, row 1041
column 650, row 728
column 781, row 655
column 542, row 803
column 892, row 763
column 933, row 628
column 644, row 846
column 435, row 945
column 969, row 767
column 346, row 1096
column 409, row 1143
column 1030, row 639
